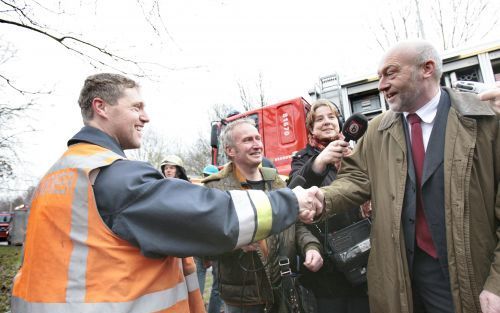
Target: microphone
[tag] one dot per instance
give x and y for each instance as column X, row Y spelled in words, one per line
column 297, row 180
column 354, row 127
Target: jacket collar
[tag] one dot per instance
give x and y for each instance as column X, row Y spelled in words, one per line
column 466, row 104
column 96, row 136
column 268, row 174
column 388, row 119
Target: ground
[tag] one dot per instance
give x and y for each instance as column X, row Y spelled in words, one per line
column 10, row 259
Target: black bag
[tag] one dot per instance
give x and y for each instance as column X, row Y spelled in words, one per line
column 290, row 296
column 350, row 248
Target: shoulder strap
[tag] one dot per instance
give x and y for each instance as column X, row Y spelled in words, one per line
column 269, row 176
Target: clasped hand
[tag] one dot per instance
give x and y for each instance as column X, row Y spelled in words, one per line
column 310, row 203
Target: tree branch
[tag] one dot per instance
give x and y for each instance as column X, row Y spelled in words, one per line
column 62, row 40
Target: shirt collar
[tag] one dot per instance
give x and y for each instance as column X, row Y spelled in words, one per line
column 428, row 112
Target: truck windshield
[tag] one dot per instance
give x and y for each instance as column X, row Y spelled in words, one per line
column 5, row 218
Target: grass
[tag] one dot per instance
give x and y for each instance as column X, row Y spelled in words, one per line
column 10, row 259
column 208, row 287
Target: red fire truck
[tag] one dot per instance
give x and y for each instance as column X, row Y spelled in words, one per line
column 5, row 218
column 282, row 127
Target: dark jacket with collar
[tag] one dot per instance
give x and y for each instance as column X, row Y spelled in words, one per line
column 327, row 282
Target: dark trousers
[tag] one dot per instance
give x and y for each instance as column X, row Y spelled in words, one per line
column 343, row 305
column 431, row 288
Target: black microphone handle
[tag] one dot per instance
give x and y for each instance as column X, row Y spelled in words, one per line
column 297, row 180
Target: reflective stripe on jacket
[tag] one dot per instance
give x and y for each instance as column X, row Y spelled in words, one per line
column 74, row 263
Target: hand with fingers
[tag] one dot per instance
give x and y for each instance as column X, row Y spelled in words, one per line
column 310, row 203
column 492, row 95
column 332, row 154
column 313, row 261
column 490, row 302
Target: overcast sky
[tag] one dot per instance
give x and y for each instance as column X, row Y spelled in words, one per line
column 210, row 46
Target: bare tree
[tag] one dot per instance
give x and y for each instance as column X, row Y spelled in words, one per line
column 197, row 156
column 154, row 148
column 449, row 23
column 218, row 112
column 260, row 88
column 244, row 96
column 9, row 136
column 459, row 21
column 31, row 15
column 42, row 19
column 247, row 94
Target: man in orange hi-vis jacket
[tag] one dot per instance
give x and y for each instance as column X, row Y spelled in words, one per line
column 107, row 234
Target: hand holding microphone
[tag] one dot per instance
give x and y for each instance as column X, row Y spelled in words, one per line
column 353, row 129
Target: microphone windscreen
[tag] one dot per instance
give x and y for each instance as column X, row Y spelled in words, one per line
column 355, row 127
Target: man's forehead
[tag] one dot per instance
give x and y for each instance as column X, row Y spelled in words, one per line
column 133, row 94
column 246, row 130
column 395, row 58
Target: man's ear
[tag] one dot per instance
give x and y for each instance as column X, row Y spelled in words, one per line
column 99, row 107
column 429, row 68
column 229, row 151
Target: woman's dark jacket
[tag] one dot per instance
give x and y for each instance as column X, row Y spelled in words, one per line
column 327, row 282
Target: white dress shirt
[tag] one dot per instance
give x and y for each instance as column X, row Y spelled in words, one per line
column 427, row 114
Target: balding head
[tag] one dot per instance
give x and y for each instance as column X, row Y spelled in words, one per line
column 418, row 52
column 409, row 75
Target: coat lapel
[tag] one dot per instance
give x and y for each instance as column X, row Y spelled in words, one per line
column 411, row 168
column 393, row 123
column 434, row 155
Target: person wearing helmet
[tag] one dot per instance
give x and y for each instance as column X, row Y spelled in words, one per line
column 209, row 170
column 173, row 167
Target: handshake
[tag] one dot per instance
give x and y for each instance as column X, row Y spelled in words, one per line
column 310, row 203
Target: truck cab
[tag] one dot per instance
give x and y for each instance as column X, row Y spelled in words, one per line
column 5, row 218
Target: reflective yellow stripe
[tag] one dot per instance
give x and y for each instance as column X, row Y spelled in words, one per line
column 264, row 213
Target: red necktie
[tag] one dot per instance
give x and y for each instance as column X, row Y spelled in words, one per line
column 422, row 233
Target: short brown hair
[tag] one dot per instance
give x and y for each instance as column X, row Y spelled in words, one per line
column 311, row 115
column 106, row 86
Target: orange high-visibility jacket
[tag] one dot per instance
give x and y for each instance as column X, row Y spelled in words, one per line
column 74, row 263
